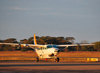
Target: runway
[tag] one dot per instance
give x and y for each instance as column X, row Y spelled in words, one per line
column 47, row 67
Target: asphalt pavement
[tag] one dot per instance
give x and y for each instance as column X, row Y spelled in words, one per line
column 48, row 67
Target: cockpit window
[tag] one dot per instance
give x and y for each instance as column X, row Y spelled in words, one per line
column 54, row 46
column 51, row 46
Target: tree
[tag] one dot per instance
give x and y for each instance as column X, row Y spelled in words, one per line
column 97, row 46
column 40, row 41
column 70, row 39
column 11, row 40
column 61, row 40
column 30, row 40
column 24, row 41
column 1, row 41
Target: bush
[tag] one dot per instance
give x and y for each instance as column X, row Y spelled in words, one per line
column 97, row 46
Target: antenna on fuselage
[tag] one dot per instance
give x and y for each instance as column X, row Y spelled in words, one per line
column 35, row 43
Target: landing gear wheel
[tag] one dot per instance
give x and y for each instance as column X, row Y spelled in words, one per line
column 37, row 59
column 57, row 59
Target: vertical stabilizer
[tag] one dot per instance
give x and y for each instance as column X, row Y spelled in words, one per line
column 35, row 43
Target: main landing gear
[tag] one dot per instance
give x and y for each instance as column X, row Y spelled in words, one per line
column 57, row 59
column 37, row 59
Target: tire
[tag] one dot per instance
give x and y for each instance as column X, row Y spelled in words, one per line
column 37, row 59
column 57, row 59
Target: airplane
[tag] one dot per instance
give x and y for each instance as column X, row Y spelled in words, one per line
column 45, row 51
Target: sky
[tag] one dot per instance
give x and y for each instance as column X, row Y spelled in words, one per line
column 80, row 19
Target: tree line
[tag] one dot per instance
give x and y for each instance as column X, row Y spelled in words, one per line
column 48, row 40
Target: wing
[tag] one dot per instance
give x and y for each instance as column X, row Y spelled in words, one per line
column 13, row 44
column 23, row 45
column 75, row 45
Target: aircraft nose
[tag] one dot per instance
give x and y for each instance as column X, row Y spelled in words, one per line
column 57, row 50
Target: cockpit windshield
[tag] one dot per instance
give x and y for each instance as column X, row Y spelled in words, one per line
column 51, row 46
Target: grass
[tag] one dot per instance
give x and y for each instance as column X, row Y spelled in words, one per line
column 79, row 54
column 29, row 55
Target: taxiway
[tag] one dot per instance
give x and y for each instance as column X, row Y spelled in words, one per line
column 49, row 66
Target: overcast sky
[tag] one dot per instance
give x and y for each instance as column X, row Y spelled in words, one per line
column 68, row 18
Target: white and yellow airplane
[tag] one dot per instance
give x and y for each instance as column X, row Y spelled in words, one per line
column 45, row 51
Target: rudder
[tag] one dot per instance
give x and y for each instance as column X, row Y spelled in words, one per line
column 35, row 43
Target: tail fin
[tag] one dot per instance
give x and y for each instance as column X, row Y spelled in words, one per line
column 35, row 43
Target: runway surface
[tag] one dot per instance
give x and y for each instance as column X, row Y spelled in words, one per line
column 48, row 67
